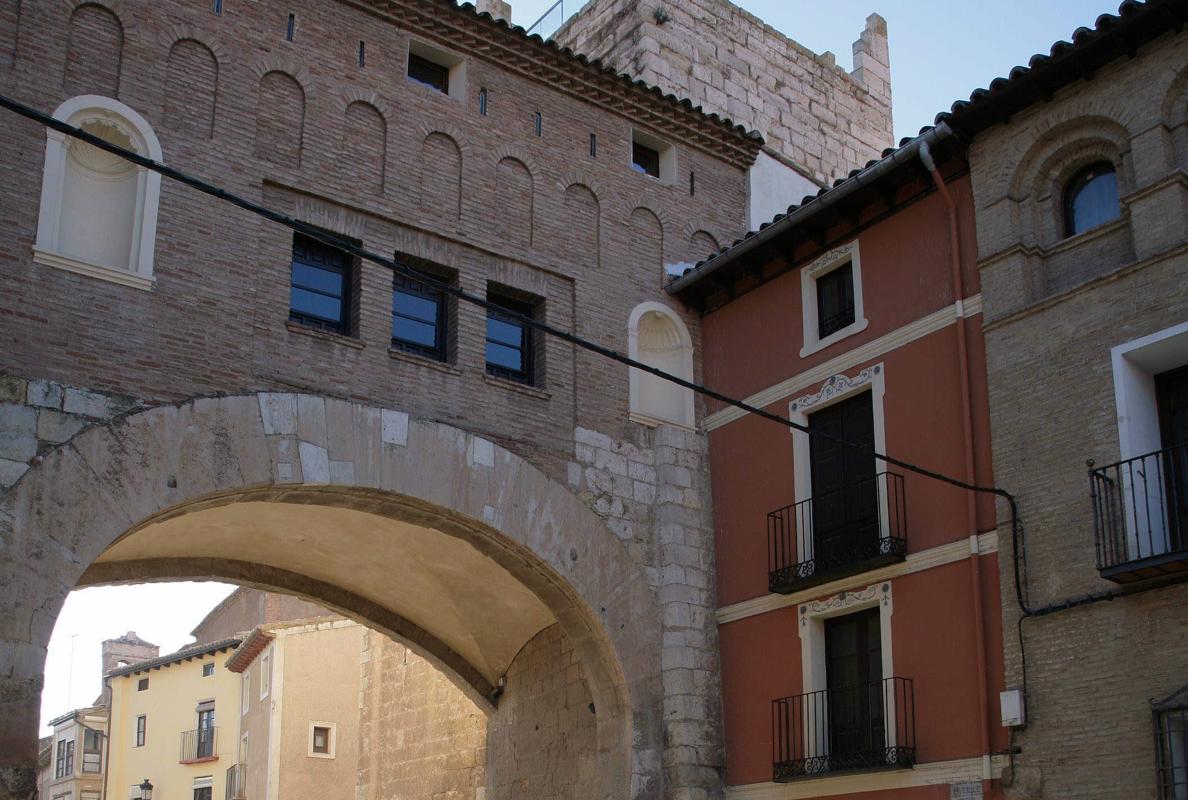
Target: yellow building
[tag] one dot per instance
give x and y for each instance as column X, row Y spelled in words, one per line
column 175, row 721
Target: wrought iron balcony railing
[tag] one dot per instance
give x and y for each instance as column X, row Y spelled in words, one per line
column 199, row 745
column 842, row 730
column 853, row 529
column 1140, row 515
column 236, row 782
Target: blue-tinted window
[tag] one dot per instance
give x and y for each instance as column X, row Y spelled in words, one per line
column 418, row 318
column 319, row 283
column 509, row 340
column 1091, row 198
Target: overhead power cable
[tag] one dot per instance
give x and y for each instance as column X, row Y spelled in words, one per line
column 333, row 241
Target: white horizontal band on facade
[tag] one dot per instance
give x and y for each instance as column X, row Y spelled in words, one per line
column 915, row 562
column 850, row 359
column 960, row 770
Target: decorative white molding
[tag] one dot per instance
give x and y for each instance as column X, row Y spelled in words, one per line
column 679, row 350
column 844, row 600
column 811, row 618
column 876, row 348
column 80, row 267
column 932, row 774
column 915, row 562
column 822, row 265
column 835, row 386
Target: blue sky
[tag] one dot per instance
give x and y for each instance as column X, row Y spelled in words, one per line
column 940, row 52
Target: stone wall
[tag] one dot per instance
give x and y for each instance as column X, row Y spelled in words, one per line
column 824, row 120
column 1055, row 307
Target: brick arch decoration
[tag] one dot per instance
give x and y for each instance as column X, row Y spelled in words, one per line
column 173, row 459
column 1175, row 119
column 191, row 87
column 94, row 51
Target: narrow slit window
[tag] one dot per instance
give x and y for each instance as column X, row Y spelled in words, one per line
column 291, row 28
column 141, row 727
column 593, row 145
column 218, row 6
column 483, row 102
column 428, row 73
column 537, row 123
column 362, row 53
column 692, row 183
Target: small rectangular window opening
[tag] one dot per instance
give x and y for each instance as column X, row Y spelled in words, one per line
column 207, row 670
column 320, row 282
column 141, row 725
column 362, row 53
column 835, row 300
column 593, row 145
column 428, row 73
column 692, row 183
column 218, row 6
column 142, row 684
column 483, row 102
column 537, row 123
column 321, row 739
column 645, row 159
column 291, row 28
column 509, row 339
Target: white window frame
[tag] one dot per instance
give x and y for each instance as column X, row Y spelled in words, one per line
column 138, row 273
column 265, row 673
column 1135, row 365
column 454, row 62
column 667, row 151
column 811, row 618
column 636, row 378
column 333, row 743
column 809, row 274
column 245, row 692
column 835, row 389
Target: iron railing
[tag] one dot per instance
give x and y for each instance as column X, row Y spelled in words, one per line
column 845, row 729
column 1140, row 515
column 199, row 744
column 867, row 529
column 236, row 782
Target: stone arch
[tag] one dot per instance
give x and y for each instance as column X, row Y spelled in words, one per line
column 280, row 119
column 441, row 176
column 515, row 213
column 580, row 234
column 365, row 143
column 647, row 241
column 113, row 494
column 191, row 88
column 658, row 337
column 94, row 52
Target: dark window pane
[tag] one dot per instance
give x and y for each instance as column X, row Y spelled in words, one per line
column 317, row 279
column 835, row 300
column 503, row 356
column 319, row 283
column 414, row 332
column 312, row 304
column 1091, row 199
column 508, row 333
column 644, row 159
column 419, row 308
column 428, row 73
column 418, row 318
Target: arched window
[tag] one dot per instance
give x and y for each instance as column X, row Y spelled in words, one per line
column 1091, row 198
column 658, row 338
column 98, row 212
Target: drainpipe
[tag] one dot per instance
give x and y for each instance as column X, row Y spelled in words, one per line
column 971, row 509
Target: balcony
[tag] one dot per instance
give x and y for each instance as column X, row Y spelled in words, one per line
column 236, row 782
column 844, row 730
column 199, row 745
column 1140, row 516
column 854, row 529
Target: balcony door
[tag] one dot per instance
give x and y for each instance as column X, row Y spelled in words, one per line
column 844, row 492
column 854, row 673
column 1171, row 393
column 206, row 732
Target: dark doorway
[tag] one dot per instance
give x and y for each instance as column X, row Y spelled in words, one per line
column 845, row 494
column 854, row 671
column 1171, row 393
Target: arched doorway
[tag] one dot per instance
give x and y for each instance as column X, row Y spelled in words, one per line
column 441, row 538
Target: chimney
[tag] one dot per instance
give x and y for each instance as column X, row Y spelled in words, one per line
column 499, row 9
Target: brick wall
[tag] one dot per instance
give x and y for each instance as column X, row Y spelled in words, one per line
column 731, row 63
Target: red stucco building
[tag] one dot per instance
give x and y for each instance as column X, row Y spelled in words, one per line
column 858, row 599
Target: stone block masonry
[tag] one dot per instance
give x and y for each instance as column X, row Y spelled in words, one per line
column 810, row 111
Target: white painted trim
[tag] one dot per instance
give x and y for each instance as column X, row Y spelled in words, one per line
column 80, row 267
column 635, row 376
column 333, row 740
column 931, row 774
column 834, row 259
column 937, row 320
column 245, row 692
column 915, row 562
column 265, row 672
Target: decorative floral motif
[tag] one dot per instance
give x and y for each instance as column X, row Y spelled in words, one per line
column 826, row 261
column 837, row 385
column 845, row 600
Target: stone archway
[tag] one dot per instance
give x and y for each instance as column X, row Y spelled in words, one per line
column 100, row 508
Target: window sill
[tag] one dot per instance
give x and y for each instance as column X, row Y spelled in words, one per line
column 329, row 336
column 80, row 267
column 397, row 354
column 1078, row 239
column 655, row 422
column 203, row 760
column 530, row 391
column 818, row 345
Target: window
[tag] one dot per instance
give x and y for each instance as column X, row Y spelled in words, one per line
column 98, row 213
column 322, row 739
column 483, row 102
column 418, row 318
column 831, row 298
column 653, row 156
column 203, row 792
column 320, row 285
column 854, row 672
column 593, row 145
column 656, row 336
column 205, row 734
column 537, row 123
column 428, row 73
column 64, row 764
column 141, row 726
column 92, row 760
column 1091, row 198
column 835, row 300
column 509, row 340
column 245, row 692
column 142, row 685
column 1171, row 742
column 207, row 670
column 265, row 673
column 291, row 28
